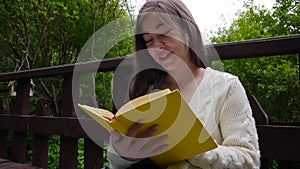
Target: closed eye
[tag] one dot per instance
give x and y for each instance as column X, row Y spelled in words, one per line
column 148, row 39
column 148, row 42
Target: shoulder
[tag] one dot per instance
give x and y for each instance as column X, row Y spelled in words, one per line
column 219, row 73
column 220, row 78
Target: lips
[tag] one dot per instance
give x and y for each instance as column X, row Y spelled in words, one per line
column 165, row 56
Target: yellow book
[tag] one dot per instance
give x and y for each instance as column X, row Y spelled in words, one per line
column 167, row 109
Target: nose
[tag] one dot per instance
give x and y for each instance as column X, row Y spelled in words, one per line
column 158, row 43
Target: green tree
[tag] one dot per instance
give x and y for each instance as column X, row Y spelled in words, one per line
column 45, row 33
column 273, row 80
column 40, row 33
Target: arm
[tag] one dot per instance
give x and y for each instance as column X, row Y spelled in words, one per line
column 239, row 148
column 116, row 161
column 125, row 151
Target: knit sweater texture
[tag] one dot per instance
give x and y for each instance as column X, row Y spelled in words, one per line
column 220, row 102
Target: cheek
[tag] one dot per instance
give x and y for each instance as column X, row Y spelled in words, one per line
column 153, row 53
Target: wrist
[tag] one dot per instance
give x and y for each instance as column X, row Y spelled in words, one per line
column 132, row 159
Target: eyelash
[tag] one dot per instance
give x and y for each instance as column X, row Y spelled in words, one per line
column 160, row 35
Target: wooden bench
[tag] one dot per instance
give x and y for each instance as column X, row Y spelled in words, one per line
column 6, row 164
column 276, row 141
column 42, row 126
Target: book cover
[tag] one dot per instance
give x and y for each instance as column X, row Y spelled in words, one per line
column 167, row 109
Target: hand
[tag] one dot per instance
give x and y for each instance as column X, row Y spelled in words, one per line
column 135, row 149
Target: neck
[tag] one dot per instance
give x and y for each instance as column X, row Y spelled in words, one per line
column 185, row 75
column 186, row 81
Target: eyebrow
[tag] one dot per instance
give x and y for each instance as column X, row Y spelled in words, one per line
column 157, row 27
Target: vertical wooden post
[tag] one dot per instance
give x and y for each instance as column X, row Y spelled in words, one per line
column 41, row 142
column 4, row 109
column 261, row 118
column 299, row 67
column 21, row 108
column 68, row 146
column 93, row 154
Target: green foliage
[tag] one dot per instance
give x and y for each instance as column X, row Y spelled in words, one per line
column 286, row 17
column 106, row 163
column 47, row 33
column 273, row 80
column 54, row 149
column 104, row 88
column 53, row 152
column 43, row 33
column 81, row 153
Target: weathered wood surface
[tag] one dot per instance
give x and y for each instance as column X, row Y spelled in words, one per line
column 6, row 164
column 279, row 142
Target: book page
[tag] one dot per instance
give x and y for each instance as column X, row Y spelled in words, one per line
column 93, row 111
column 142, row 100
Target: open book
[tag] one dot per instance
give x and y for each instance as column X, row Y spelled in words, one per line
column 168, row 109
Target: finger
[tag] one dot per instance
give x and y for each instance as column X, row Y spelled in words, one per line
column 148, row 144
column 120, row 142
column 160, row 149
column 150, row 131
column 133, row 130
column 161, row 139
column 155, row 142
column 156, row 145
column 139, row 143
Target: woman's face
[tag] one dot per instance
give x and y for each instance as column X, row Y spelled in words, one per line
column 166, row 43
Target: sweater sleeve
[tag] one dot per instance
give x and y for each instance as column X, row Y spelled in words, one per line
column 116, row 161
column 239, row 148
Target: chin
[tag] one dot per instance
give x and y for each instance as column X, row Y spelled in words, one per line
column 169, row 68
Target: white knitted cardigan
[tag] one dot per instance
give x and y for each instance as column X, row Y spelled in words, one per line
column 220, row 102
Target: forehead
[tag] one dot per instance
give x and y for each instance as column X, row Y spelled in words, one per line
column 155, row 23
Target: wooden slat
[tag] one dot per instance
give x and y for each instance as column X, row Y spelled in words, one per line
column 93, row 155
column 4, row 109
column 234, row 50
column 270, row 136
column 6, row 164
column 279, row 142
column 261, row 118
column 3, row 143
column 68, row 146
column 68, row 153
column 2, row 160
column 21, row 107
column 65, row 126
column 41, row 141
column 258, row 112
column 100, row 65
column 260, row 47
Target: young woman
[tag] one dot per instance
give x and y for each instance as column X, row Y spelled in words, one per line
column 167, row 36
